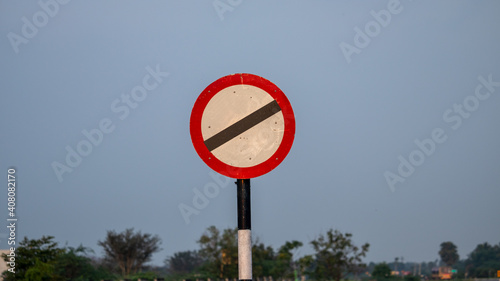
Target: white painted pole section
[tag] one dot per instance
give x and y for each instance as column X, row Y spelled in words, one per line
column 245, row 254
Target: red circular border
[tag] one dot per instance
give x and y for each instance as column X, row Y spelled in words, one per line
column 209, row 158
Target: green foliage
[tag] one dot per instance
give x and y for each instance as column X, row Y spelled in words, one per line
column 229, row 246
column 381, row 271
column 41, row 260
column 220, row 252
column 284, row 261
column 304, row 265
column 336, row 255
column 129, row 250
column 411, row 278
column 149, row 275
column 184, row 262
column 448, row 253
column 41, row 271
column 38, row 255
column 263, row 260
column 73, row 264
column 484, row 261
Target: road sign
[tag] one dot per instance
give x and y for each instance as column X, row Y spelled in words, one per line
column 242, row 126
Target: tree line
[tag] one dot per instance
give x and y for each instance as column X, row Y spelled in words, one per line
column 482, row 262
column 217, row 258
column 126, row 255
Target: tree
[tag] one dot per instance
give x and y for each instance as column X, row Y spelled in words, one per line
column 41, row 271
column 73, row 263
column 448, row 253
column 41, row 259
column 263, row 260
column 35, row 258
column 210, row 245
column 184, row 262
column 220, row 252
column 483, row 261
column 284, row 260
column 129, row 250
column 381, row 271
column 336, row 255
column 229, row 246
column 305, row 264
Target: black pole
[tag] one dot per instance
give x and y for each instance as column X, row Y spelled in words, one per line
column 244, row 219
column 244, row 230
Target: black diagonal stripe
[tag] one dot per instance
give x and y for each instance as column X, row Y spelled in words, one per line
column 241, row 126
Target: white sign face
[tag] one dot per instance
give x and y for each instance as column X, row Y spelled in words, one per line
column 242, row 126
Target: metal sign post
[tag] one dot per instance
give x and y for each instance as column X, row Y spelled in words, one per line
column 244, row 230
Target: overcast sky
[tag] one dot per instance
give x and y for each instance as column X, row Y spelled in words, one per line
column 396, row 106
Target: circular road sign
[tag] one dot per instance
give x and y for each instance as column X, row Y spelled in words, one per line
column 242, row 126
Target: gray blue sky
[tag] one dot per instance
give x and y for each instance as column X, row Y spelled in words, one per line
column 367, row 81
